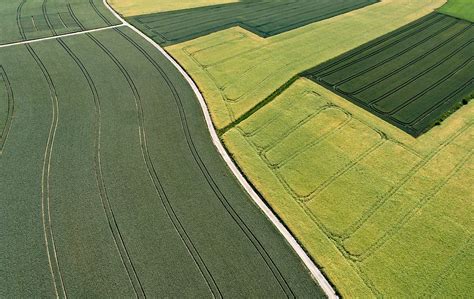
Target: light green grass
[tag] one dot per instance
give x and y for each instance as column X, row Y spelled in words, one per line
column 463, row 9
column 236, row 69
column 381, row 212
column 133, row 8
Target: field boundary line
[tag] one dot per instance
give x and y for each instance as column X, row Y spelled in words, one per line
column 60, row 36
column 316, row 273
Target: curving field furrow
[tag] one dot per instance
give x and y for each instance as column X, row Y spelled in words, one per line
column 136, row 200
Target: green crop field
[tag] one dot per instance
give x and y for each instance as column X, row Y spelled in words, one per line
column 382, row 213
column 410, row 77
column 236, row 70
column 30, row 19
column 112, row 187
column 141, row 7
column 7, row 107
column 265, row 18
column 462, row 9
column 110, row 183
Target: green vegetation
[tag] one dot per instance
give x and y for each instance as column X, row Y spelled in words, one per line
column 265, row 18
column 236, row 69
column 410, row 77
column 7, row 107
column 25, row 20
column 140, row 7
column 111, row 186
column 463, row 9
column 384, row 214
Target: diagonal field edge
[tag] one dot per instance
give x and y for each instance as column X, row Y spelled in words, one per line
column 315, row 272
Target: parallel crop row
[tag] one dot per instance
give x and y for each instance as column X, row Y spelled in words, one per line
column 409, row 77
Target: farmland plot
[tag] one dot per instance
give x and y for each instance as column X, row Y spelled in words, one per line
column 141, row 7
column 462, row 9
column 237, row 70
column 25, row 20
column 111, row 186
column 265, row 18
column 409, row 77
column 384, row 214
column 7, row 107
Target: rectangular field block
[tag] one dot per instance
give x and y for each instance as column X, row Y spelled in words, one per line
column 410, row 77
column 264, row 18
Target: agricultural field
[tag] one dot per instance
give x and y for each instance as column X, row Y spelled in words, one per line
column 410, row 77
column 7, row 107
column 237, row 70
column 383, row 213
column 459, row 9
column 24, row 20
column 264, row 18
column 111, row 185
column 141, row 7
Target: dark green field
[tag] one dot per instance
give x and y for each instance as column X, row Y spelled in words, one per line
column 112, row 187
column 31, row 19
column 265, row 18
column 410, row 77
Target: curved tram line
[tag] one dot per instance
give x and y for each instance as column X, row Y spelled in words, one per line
column 113, row 226
column 57, row 278
column 317, row 275
column 51, row 251
column 251, row 237
column 210, row 281
column 10, row 109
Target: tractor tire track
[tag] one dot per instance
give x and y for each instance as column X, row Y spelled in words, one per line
column 108, row 210
column 54, row 266
column 205, row 172
column 155, row 178
column 11, row 109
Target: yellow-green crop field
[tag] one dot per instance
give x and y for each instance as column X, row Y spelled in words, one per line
column 382, row 213
column 236, row 69
column 139, row 7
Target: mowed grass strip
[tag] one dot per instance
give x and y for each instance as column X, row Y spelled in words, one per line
column 24, row 20
column 264, row 18
column 236, row 70
column 462, row 9
column 410, row 77
column 109, row 161
column 364, row 198
column 141, row 7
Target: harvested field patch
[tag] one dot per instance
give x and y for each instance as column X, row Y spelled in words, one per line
column 264, row 18
column 409, row 77
column 366, row 199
